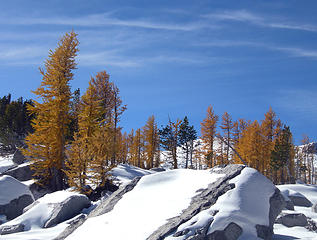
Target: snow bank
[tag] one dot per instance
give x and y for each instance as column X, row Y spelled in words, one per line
column 10, row 189
column 124, row 173
column 155, row 199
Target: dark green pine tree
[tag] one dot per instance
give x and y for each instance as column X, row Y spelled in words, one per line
column 281, row 154
column 187, row 135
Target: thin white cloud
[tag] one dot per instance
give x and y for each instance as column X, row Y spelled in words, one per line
column 290, row 51
column 99, row 20
column 19, row 55
column 297, row 52
column 255, row 19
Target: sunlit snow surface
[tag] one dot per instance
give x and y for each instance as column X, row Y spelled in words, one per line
column 140, row 212
column 6, row 163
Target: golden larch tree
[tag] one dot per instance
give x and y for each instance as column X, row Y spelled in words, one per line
column 46, row 146
column 82, row 150
column 151, row 142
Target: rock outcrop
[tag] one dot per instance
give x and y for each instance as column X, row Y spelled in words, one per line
column 292, row 220
column 67, row 209
column 207, row 198
column 22, row 172
column 17, row 196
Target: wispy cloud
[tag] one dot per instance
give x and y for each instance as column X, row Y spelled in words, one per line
column 98, row 20
column 19, row 55
column 297, row 52
column 255, row 19
column 290, row 51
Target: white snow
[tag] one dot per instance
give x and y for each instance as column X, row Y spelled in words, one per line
column 310, row 192
column 35, row 218
column 10, row 189
column 6, row 163
column 124, row 173
column 156, row 198
column 245, row 205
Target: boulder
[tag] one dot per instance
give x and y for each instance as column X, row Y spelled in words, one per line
column 300, row 200
column 38, row 191
column 292, row 220
column 22, row 172
column 11, row 229
column 67, row 209
column 18, row 157
column 17, row 197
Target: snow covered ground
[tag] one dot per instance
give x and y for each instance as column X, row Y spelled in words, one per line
column 124, row 173
column 285, row 233
column 6, row 163
column 140, row 212
column 136, row 217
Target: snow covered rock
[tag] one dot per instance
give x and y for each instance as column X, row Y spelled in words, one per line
column 297, row 198
column 22, row 172
column 67, row 209
column 4, row 230
column 45, row 213
column 14, row 197
column 292, row 220
column 221, row 203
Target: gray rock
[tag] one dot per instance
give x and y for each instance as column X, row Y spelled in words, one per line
column 314, row 208
column 15, row 207
column 22, row 173
column 300, row 200
column 38, row 191
column 75, row 223
column 18, row 157
column 67, row 209
column 292, row 220
column 277, row 203
column 105, row 206
column 11, row 229
column 158, row 169
column 231, row 232
column 289, row 205
column 110, row 202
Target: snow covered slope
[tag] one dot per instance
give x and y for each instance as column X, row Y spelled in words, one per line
column 157, row 198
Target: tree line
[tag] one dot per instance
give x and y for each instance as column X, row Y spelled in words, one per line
column 74, row 140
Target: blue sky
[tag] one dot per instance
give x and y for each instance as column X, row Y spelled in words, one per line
column 174, row 58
